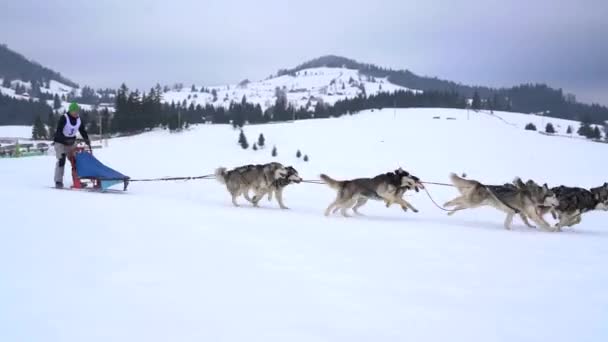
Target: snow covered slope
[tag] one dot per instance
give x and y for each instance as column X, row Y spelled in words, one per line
column 174, row 261
column 305, row 88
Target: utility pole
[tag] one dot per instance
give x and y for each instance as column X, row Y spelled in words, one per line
column 395, row 109
column 100, row 130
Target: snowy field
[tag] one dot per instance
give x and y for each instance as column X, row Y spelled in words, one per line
column 24, row 132
column 175, row 261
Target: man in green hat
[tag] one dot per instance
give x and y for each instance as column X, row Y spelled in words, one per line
column 68, row 126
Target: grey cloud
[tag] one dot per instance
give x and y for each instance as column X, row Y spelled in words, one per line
column 497, row 43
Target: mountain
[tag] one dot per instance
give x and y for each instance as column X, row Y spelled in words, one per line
column 525, row 98
column 303, row 88
column 14, row 66
column 403, row 78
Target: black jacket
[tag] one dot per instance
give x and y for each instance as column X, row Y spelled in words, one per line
column 62, row 139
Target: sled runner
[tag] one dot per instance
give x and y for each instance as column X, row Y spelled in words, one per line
column 88, row 172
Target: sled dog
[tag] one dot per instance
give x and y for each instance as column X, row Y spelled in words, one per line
column 517, row 198
column 259, row 178
column 291, row 177
column 574, row 202
column 355, row 193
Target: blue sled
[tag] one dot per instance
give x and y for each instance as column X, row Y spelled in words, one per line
column 86, row 166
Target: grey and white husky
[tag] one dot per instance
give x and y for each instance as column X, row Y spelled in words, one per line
column 518, row 198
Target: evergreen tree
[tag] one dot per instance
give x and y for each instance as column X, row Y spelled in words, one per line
column 214, row 93
column 549, row 128
column 243, row 140
column 193, row 89
column 51, row 122
column 93, row 123
column 56, row 102
column 530, row 127
column 569, row 130
column 586, row 130
column 6, row 82
column 597, row 134
column 476, row 104
column 298, row 154
column 261, row 140
column 274, row 151
column 306, row 158
column 39, row 130
column 255, row 147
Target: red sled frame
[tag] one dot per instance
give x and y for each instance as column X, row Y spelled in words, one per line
column 77, row 182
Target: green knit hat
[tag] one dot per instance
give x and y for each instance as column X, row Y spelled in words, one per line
column 73, row 107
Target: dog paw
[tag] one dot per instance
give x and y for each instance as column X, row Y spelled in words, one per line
column 285, row 208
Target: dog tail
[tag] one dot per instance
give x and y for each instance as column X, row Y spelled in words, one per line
column 334, row 184
column 220, row 174
column 462, row 183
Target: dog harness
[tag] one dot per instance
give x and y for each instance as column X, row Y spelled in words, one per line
column 70, row 130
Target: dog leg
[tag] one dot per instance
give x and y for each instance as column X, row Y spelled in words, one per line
column 544, row 225
column 331, row 206
column 259, row 194
column 270, row 195
column 234, row 196
column 360, row 202
column 346, row 205
column 525, row 219
column 405, row 204
column 246, row 195
column 458, row 208
column 280, row 199
column 509, row 220
column 453, row 203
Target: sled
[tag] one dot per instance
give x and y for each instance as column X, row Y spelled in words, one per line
column 90, row 173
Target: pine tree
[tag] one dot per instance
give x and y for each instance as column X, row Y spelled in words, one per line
column 597, row 134
column 274, row 151
column 298, row 154
column 549, row 129
column 243, row 140
column 306, row 158
column 476, row 105
column 193, row 89
column 569, row 130
column 39, row 130
column 586, row 130
column 255, row 147
column 261, row 140
column 56, row 102
column 6, row 82
column 530, row 127
column 214, row 93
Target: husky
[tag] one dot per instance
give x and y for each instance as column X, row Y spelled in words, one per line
column 291, row 177
column 355, row 193
column 259, row 178
column 574, row 202
column 523, row 199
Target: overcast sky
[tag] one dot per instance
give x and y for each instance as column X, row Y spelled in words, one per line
column 485, row 42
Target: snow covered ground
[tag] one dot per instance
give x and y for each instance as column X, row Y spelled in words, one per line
column 174, row 261
column 16, row 132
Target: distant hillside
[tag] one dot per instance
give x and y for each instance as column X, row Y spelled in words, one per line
column 527, row 98
column 14, row 66
column 403, row 78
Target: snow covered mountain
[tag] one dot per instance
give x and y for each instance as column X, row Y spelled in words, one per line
column 175, row 261
column 304, row 88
